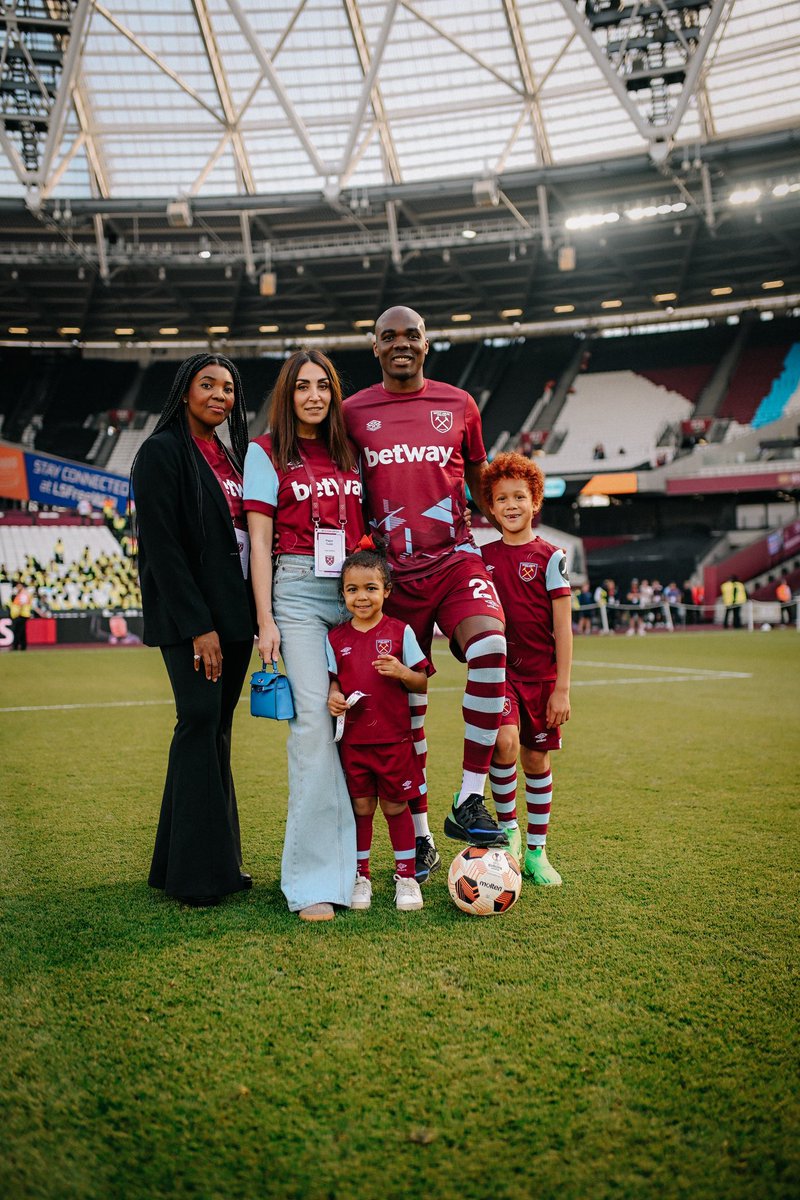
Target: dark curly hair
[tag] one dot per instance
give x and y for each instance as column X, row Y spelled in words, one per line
column 370, row 560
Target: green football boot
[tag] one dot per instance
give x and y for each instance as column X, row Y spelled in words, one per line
column 514, row 847
column 539, row 869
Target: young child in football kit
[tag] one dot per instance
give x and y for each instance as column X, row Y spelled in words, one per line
column 375, row 662
column 530, row 576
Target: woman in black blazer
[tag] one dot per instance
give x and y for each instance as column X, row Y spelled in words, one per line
column 198, row 608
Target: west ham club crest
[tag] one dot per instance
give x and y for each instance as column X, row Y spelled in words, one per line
column 527, row 571
column 383, row 645
column 441, row 420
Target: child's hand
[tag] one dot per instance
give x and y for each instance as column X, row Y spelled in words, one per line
column 337, row 704
column 387, row 664
column 557, row 708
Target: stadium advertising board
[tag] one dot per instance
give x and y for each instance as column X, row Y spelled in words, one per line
column 26, row 475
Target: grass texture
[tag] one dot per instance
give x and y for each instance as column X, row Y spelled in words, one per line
column 632, row 1034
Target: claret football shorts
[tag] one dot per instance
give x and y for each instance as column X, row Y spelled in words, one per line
column 526, row 707
column 392, row 772
column 462, row 587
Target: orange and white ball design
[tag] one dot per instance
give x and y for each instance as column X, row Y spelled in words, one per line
column 484, row 881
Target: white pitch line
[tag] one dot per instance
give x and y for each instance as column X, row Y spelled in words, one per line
column 715, row 674
column 66, row 707
column 695, row 674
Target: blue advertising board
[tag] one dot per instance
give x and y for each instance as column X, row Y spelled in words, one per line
column 57, row 481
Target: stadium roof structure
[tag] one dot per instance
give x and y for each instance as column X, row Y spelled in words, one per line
column 175, row 171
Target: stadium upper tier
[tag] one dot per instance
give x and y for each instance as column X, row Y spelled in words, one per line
column 566, row 395
column 177, row 170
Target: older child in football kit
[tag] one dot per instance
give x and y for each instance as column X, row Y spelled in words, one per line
column 530, row 576
column 378, row 658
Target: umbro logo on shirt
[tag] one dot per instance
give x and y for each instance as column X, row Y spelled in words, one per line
column 373, row 426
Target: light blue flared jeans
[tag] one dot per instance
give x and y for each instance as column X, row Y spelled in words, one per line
column 319, row 851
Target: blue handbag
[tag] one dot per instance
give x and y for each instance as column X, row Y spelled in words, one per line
column 270, row 694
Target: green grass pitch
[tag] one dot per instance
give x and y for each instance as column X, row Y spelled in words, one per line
column 632, row 1034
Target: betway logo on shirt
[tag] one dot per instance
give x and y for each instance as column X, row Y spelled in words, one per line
column 326, row 487
column 401, row 452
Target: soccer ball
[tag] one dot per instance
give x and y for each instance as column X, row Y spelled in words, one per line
column 484, row 881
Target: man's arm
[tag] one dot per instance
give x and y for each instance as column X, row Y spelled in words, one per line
column 472, row 474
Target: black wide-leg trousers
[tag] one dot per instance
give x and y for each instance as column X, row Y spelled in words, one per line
column 198, row 848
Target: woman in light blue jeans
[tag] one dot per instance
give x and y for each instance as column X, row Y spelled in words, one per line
column 302, row 495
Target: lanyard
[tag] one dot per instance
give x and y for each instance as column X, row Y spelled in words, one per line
column 315, row 497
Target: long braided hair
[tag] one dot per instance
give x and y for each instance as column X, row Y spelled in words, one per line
column 174, row 414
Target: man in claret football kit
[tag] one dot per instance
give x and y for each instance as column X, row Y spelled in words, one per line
column 419, row 441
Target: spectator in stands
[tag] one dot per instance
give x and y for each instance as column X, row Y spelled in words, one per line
column 783, row 594
column 693, row 596
column 606, row 600
column 599, row 451
column 197, row 600
column 58, row 552
column 734, row 596
column 672, row 595
column 301, row 477
column 20, row 610
column 585, row 609
column 634, row 599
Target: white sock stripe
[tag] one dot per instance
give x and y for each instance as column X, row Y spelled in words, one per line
column 418, row 722
column 498, row 772
column 487, row 675
column 538, row 785
column 485, row 704
column 421, row 747
column 362, row 855
column 537, row 839
column 493, row 643
column 505, row 807
column 482, row 737
column 417, row 700
column 405, row 854
column 502, row 789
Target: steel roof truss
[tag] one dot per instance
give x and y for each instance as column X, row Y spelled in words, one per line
column 370, row 65
column 665, row 131
column 152, row 57
column 245, row 180
column 276, row 83
column 526, row 71
column 69, row 74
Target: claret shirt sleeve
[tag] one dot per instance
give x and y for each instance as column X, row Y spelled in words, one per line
column 260, row 481
column 474, row 449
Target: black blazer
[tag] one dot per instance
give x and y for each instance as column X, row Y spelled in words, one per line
column 190, row 584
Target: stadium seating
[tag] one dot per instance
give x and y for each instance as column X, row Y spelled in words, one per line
column 126, row 446
column 624, row 411
column 17, row 542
